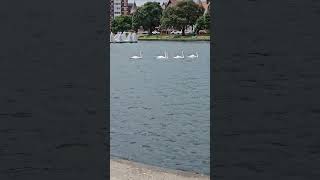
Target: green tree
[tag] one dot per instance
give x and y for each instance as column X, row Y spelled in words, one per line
column 203, row 23
column 171, row 19
column 121, row 24
column 148, row 16
column 190, row 10
column 184, row 14
column 135, row 21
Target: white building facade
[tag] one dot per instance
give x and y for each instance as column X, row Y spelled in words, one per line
column 116, row 8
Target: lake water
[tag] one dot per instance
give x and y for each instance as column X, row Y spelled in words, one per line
column 160, row 108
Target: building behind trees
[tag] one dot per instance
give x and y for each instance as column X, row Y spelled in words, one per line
column 118, row 8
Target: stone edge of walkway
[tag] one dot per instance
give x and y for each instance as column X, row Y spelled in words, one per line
column 158, row 169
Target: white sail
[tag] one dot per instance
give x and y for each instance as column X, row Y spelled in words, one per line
column 114, row 38
column 134, row 37
column 111, row 37
column 129, row 37
column 123, row 37
column 117, row 38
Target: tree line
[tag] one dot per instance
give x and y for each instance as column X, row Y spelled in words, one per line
column 149, row 16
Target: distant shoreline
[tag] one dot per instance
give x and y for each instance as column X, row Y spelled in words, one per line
column 173, row 38
column 124, row 169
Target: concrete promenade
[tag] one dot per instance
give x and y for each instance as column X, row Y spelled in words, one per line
column 127, row 170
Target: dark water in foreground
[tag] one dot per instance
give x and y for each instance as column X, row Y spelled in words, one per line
column 160, row 108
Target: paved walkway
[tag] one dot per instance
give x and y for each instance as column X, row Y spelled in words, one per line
column 127, row 170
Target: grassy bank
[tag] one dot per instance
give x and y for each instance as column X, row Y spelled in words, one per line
column 173, row 38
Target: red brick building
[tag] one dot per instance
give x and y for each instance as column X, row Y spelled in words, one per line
column 124, row 7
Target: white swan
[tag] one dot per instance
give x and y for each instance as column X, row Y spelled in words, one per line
column 179, row 57
column 137, row 57
column 163, row 57
column 193, row 56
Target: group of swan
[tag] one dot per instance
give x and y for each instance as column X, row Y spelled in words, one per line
column 192, row 56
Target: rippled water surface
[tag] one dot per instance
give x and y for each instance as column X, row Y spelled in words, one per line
column 160, row 108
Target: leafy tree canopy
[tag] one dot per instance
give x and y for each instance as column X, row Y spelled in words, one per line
column 203, row 23
column 148, row 16
column 190, row 10
column 121, row 24
column 170, row 18
column 185, row 13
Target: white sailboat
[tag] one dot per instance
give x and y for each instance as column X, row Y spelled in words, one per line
column 111, row 37
column 123, row 37
column 134, row 37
